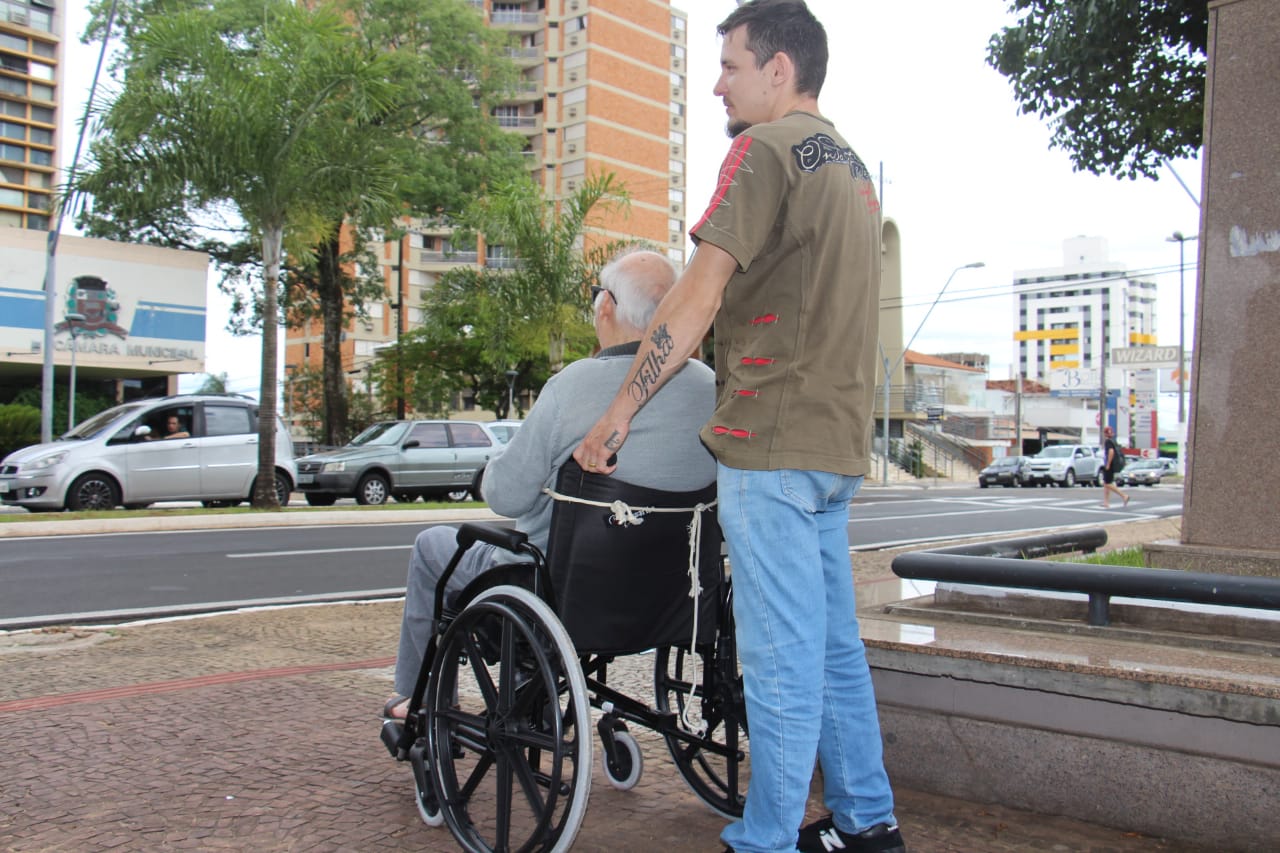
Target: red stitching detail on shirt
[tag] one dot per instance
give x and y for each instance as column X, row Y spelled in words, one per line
column 733, row 432
column 743, row 392
column 728, row 173
column 765, row 319
column 757, row 362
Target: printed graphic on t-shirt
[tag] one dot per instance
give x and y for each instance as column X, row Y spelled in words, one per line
column 821, row 150
column 734, row 161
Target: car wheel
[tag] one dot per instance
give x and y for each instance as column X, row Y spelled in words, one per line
column 283, row 488
column 93, row 491
column 373, row 490
column 476, row 484
column 981, row 484
column 320, row 500
column 1070, row 480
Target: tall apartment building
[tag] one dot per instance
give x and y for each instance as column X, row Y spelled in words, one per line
column 30, row 77
column 1072, row 316
column 602, row 89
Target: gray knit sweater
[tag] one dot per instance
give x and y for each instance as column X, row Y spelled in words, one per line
column 662, row 451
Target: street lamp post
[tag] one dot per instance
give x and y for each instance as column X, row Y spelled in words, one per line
column 888, row 371
column 1177, row 237
column 1182, row 319
column 72, row 319
column 511, row 391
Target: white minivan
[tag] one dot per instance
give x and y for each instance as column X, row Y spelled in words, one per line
column 201, row 447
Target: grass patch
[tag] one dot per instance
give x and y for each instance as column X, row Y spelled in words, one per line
column 1119, row 557
column 12, row 517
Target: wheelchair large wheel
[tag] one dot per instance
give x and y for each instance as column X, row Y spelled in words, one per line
column 510, row 740
column 717, row 775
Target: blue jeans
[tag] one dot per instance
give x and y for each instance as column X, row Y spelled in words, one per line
column 808, row 686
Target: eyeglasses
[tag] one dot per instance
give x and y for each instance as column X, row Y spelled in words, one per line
column 596, row 290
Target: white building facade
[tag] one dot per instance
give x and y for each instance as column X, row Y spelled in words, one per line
column 1071, row 317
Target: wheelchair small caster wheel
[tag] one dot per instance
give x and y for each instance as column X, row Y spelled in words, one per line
column 625, row 773
column 428, row 807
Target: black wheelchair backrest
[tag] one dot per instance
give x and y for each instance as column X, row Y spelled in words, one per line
column 622, row 580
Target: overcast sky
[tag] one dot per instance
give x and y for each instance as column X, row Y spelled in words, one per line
column 966, row 177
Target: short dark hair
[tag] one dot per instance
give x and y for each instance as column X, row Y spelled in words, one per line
column 784, row 26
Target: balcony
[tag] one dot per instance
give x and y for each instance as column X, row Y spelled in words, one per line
column 516, row 21
column 524, row 56
column 524, row 92
column 528, row 125
column 450, row 258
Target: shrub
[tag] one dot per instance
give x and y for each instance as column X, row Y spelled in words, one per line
column 19, row 427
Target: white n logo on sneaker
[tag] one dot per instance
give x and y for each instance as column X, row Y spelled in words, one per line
column 830, row 839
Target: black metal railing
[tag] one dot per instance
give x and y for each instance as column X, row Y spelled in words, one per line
column 1003, row 564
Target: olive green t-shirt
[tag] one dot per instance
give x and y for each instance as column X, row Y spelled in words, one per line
column 796, row 334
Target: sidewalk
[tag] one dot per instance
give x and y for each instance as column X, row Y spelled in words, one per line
column 258, row 730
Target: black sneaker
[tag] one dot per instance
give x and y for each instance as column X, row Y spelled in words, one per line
column 823, row 836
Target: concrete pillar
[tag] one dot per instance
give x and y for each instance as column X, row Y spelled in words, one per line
column 1231, row 515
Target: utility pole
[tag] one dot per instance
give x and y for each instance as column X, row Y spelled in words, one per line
column 1017, row 414
column 399, row 306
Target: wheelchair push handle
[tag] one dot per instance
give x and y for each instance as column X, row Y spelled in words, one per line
column 502, row 537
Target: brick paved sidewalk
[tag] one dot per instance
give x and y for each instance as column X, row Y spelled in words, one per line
column 259, row 731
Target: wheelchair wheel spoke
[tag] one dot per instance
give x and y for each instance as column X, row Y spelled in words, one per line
column 506, row 751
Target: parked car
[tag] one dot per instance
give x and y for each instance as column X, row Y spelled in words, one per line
column 404, row 460
column 1006, row 471
column 1141, row 472
column 122, row 456
column 503, row 430
column 1065, row 465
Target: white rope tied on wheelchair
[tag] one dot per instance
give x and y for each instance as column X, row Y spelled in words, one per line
column 623, row 515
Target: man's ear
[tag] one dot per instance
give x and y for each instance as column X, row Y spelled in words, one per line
column 782, row 70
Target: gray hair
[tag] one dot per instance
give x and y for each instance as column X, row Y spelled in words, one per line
column 638, row 278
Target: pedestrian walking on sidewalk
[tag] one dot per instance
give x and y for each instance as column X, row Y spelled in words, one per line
column 1114, row 457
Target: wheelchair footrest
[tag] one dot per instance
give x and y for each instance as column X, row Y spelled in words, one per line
column 392, row 731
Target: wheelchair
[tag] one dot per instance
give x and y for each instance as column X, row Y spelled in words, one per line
column 498, row 731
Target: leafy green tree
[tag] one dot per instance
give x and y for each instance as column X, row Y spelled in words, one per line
column 214, row 383
column 253, row 108
column 445, row 61
column 439, row 61
column 547, row 282
column 527, row 312
column 1121, row 82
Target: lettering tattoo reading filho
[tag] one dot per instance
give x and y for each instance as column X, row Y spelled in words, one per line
column 651, row 367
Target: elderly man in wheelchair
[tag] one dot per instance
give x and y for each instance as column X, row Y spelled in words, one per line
column 507, row 634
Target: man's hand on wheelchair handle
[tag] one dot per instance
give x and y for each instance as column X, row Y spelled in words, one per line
column 598, row 452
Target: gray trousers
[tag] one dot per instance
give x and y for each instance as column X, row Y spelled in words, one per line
column 432, row 550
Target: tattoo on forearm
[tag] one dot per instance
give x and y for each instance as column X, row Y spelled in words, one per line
column 613, row 442
column 650, row 369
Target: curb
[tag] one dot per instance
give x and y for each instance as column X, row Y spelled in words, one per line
column 153, row 523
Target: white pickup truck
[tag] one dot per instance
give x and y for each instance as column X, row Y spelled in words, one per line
column 1065, row 465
